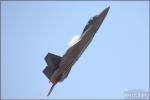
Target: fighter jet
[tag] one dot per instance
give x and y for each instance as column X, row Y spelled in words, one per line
column 58, row 68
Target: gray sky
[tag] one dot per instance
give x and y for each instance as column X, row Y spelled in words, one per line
column 117, row 60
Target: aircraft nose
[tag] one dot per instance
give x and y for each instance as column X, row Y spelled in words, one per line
column 104, row 12
column 107, row 8
column 102, row 16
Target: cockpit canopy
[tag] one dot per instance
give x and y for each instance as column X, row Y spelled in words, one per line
column 90, row 22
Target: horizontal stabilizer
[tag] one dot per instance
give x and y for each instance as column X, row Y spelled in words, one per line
column 53, row 62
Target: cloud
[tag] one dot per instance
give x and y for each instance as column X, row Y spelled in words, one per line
column 74, row 40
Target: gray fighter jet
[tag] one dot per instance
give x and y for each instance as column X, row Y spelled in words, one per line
column 58, row 67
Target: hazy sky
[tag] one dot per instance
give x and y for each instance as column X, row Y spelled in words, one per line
column 117, row 60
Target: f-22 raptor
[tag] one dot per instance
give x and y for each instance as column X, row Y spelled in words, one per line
column 58, row 68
